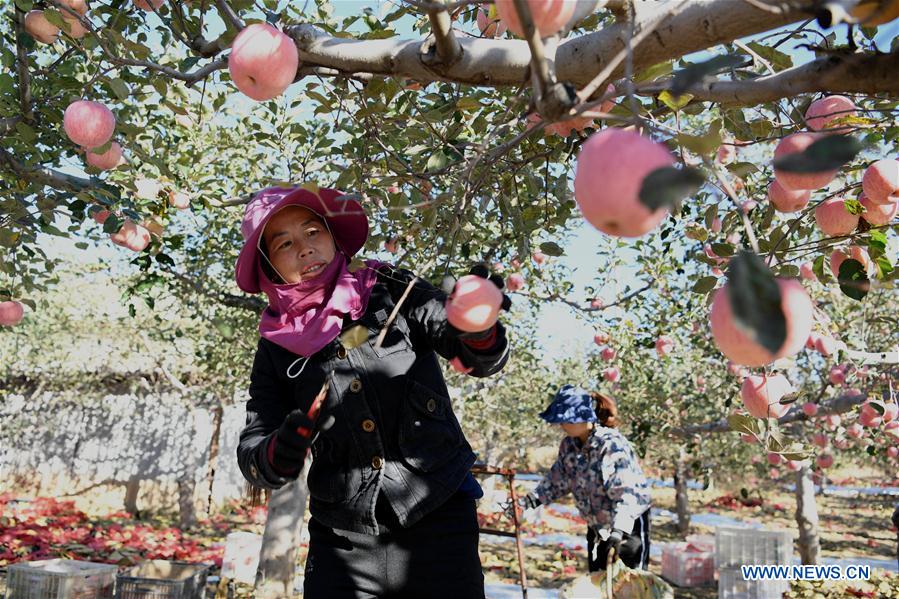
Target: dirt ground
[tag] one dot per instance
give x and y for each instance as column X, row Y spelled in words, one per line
column 856, row 527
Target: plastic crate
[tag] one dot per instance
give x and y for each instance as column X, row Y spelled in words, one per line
column 732, row 586
column 60, row 579
column 685, row 566
column 241, row 560
column 160, row 579
column 747, row 546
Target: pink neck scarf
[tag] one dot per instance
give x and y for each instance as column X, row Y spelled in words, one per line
column 304, row 317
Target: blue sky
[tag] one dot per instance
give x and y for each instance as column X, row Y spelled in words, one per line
column 580, row 253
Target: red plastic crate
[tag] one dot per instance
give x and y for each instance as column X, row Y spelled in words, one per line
column 684, row 566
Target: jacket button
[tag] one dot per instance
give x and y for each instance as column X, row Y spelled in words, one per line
column 253, row 472
column 356, row 386
column 432, row 405
column 377, row 462
column 368, row 425
column 341, row 352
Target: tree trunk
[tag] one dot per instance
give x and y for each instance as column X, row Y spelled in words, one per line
column 807, row 517
column 217, row 415
column 132, row 490
column 681, row 502
column 187, row 509
column 281, row 540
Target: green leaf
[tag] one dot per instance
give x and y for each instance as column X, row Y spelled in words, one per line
column 705, row 144
column 55, row 18
column 877, row 243
column 8, row 238
column 354, row 337
column 655, row 71
column 884, row 266
column 437, row 161
column 467, row 103
column 755, row 301
column 853, row 279
column 710, row 215
column 818, row 268
column 26, row 133
column 705, row 284
column 854, row 207
column 675, row 103
column 119, row 88
column 826, row 154
column 724, row 250
column 742, row 423
column 112, row 224
column 694, row 73
column 665, row 187
column 551, row 248
column 226, row 330
column 779, row 60
column 186, row 64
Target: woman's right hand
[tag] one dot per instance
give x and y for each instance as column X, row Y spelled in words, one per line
column 292, row 440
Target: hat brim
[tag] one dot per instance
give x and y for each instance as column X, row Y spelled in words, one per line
column 343, row 215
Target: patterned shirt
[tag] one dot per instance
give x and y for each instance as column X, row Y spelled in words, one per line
column 608, row 484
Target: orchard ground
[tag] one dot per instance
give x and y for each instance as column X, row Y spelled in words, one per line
column 850, row 527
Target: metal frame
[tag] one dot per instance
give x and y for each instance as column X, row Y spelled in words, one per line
column 508, row 474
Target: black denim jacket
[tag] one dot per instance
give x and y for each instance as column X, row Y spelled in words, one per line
column 394, row 432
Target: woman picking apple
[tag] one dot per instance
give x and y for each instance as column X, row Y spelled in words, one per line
column 392, row 499
column 598, row 466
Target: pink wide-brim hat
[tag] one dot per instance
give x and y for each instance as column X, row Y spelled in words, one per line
column 342, row 214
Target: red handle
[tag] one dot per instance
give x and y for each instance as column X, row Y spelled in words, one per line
column 314, row 410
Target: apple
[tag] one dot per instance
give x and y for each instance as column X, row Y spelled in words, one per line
column 881, row 181
column 539, row 257
column 611, row 167
column 474, row 304
column 132, row 236
column 601, row 338
column 787, row 200
column 869, row 416
column 548, row 16
column 664, row 345
column 855, row 430
column 798, row 142
column 820, row 439
column 608, row 354
column 825, row 460
column 263, row 61
column 11, row 313
column 855, row 252
column 832, row 421
column 822, row 112
column 89, row 124
column 611, row 374
column 762, row 394
column 740, row 348
column 810, row 408
column 893, row 451
column 148, row 5
column 38, row 27
column 514, row 282
column 837, row 375
column 109, row 159
column 878, row 214
column 834, row 219
column 179, row 200
column 774, row 458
